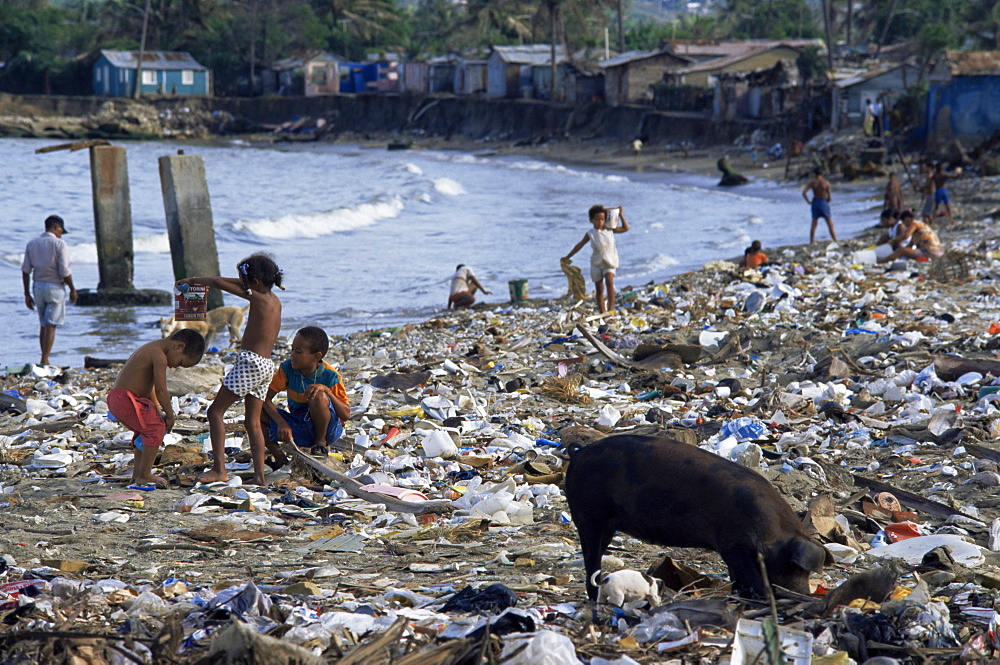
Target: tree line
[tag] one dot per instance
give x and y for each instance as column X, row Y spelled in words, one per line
column 49, row 47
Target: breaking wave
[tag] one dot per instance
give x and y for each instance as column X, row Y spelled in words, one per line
column 316, row 225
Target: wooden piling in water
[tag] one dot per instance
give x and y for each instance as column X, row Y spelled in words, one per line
column 113, row 233
column 112, row 216
column 189, row 219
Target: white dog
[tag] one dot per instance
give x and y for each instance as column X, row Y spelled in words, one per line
column 627, row 586
column 229, row 316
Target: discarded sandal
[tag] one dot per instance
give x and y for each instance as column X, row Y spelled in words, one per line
column 319, row 451
column 142, row 487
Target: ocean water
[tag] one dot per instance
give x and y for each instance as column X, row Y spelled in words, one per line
column 368, row 238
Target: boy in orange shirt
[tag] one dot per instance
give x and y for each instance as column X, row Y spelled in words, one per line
column 317, row 400
column 753, row 257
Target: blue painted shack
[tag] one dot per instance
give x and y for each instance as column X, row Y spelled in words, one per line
column 358, row 77
column 163, row 72
column 967, row 105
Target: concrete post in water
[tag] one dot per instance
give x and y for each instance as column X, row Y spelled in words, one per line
column 113, row 232
column 189, row 219
column 112, row 216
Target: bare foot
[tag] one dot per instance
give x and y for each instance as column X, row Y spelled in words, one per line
column 151, row 479
column 258, row 479
column 213, row 477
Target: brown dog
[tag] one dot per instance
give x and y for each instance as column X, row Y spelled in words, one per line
column 230, row 317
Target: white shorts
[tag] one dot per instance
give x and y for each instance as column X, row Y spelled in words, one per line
column 50, row 302
column 251, row 375
column 599, row 270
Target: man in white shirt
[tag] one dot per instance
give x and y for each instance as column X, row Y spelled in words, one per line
column 47, row 257
column 463, row 287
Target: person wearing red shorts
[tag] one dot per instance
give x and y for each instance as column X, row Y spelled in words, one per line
column 139, row 399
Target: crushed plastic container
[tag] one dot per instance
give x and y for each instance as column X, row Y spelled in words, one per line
column 749, row 645
column 744, row 428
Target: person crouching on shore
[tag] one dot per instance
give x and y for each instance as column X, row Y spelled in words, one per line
column 139, row 399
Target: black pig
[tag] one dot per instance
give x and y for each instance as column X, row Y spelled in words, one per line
column 674, row 494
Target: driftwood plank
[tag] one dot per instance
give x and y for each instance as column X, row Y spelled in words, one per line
column 605, row 351
column 353, row 488
column 72, row 147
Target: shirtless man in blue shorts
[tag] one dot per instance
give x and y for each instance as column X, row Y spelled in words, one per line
column 820, row 203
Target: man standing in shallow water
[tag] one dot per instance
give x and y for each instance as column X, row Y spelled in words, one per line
column 48, row 258
column 820, row 204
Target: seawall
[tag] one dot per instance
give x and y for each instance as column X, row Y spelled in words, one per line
column 478, row 118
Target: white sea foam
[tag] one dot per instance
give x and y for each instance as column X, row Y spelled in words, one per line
column 533, row 165
column 529, row 165
column 414, row 169
column 449, row 187
column 13, row 259
column 85, row 252
column 754, row 219
column 735, row 238
column 158, row 243
column 647, row 265
column 656, row 225
column 322, row 223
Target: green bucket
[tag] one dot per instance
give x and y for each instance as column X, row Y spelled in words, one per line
column 518, row 290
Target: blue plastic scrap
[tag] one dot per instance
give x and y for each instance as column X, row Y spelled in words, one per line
column 744, row 428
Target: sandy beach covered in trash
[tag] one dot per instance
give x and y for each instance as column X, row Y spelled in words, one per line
column 838, row 382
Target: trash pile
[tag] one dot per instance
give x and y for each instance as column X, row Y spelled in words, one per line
column 193, row 122
column 436, row 531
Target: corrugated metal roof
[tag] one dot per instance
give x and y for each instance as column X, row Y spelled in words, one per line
column 720, row 63
column 852, row 78
column 633, row 56
column 153, row 59
column 734, row 48
column 530, row 54
column 974, row 63
column 300, row 58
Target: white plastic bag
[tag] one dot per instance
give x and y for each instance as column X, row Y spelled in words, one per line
column 543, row 648
column 438, row 443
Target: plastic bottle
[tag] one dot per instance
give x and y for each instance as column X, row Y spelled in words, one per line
column 366, row 398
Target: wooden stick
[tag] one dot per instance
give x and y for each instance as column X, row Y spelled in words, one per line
column 906, row 169
column 72, row 147
column 152, row 547
column 909, row 498
column 353, row 488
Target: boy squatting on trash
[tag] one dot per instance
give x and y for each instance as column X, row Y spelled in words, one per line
column 253, row 369
column 139, row 399
column 604, row 259
column 317, row 400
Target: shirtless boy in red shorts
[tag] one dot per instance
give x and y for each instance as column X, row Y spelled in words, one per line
column 139, row 399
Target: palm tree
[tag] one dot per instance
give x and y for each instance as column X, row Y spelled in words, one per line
column 499, row 18
column 557, row 15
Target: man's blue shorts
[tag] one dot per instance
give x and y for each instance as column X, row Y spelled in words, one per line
column 821, row 208
column 50, row 302
column 941, row 196
column 303, row 431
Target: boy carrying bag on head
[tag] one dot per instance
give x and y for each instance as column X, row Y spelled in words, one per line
column 139, row 399
column 317, row 400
